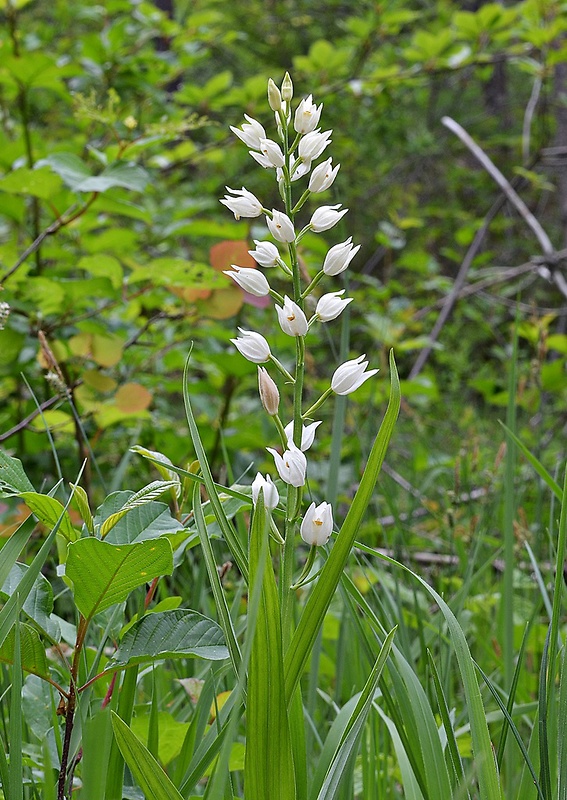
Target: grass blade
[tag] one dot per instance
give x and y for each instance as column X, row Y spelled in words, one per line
column 147, row 772
column 228, row 532
column 268, row 767
column 215, row 581
column 345, row 753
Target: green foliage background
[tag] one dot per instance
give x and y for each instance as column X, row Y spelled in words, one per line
column 115, row 140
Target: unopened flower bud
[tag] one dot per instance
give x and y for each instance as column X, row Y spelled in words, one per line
column 274, row 96
column 287, row 88
column 325, row 217
column 265, row 485
column 252, row 346
column 350, row 375
column 268, row 390
column 251, row 280
column 331, row 305
column 317, row 524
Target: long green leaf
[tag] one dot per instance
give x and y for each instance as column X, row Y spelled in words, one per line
column 228, row 531
column 562, row 726
column 147, row 772
column 268, row 767
column 16, row 785
column 536, row 464
column 216, row 585
column 346, row 751
column 453, row 748
column 485, row 764
column 321, row 596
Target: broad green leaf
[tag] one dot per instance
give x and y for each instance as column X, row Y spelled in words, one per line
column 49, row 510
column 32, row 651
column 268, row 766
column 146, row 770
column 104, row 574
column 12, row 476
column 38, row 605
column 316, row 607
column 142, row 520
column 105, row 266
column 145, row 496
column 77, row 175
column 170, row 634
column 35, row 182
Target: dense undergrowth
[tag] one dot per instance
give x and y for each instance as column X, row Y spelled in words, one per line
column 150, row 645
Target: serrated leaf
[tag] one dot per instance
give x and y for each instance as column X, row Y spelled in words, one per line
column 12, row 475
column 48, row 510
column 32, row 651
column 170, row 634
column 104, row 574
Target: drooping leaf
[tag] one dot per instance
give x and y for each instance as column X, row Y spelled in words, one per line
column 180, row 633
column 143, row 517
column 32, row 651
column 38, row 605
column 12, row 476
column 77, row 175
column 104, row 574
column 48, row 510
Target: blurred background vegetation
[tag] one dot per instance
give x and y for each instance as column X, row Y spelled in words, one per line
column 114, row 149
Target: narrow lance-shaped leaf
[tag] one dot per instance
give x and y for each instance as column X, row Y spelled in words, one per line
column 146, row 770
column 104, row 574
column 268, row 769
column 320, row 598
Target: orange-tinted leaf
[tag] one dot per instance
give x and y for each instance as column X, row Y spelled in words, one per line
column 223, row 303
column 223, row 254
column 132, row 397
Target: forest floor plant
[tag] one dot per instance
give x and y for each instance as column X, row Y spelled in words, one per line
column 411, row 725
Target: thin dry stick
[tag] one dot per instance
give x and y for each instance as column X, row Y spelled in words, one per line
column 504, row 184
column 456, row 288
